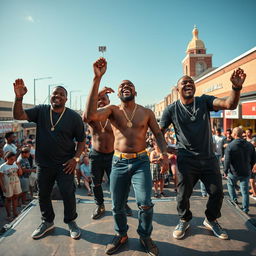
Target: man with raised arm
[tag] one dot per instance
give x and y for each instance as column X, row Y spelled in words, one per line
column 130, row 165
column 190, row 117
column 56, row 154
column 101, row 154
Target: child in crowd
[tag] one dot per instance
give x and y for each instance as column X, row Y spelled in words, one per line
column 23, row 162
column 10, row 183
column 86, row 174
column 156, row 168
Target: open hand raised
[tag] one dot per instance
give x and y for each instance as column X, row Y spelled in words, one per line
column 100, row 67
column 19, row 88
column 237, row 78
column 104, row 91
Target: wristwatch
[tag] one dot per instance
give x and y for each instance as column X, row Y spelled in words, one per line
column 77, row 159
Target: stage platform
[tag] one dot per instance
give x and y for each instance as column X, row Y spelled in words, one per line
column 96, row 234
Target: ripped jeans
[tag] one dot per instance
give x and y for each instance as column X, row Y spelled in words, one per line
column 135, row 171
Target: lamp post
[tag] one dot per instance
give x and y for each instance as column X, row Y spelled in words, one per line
column 36, row 79
column 70, row 101
column 81, row 96
column 49, row 90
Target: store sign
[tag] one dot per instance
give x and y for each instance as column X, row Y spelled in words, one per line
column 249, row 110
column 218, row 114
column 5, row 127
column 232, row 114
column 212, row 88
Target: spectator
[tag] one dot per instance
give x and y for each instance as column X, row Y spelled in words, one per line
column 86, row 174
column 253, row 174
column 218, row 143
column 24, row 164
column 9, row 145
column 157, row 176
column 239, row 161
column 248, row 133
column 10, row 184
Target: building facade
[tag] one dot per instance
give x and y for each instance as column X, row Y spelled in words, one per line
column 216, row 81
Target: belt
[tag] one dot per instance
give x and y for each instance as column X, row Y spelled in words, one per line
column 129, row 155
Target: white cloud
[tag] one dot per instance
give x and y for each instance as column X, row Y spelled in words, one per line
column 29, row 19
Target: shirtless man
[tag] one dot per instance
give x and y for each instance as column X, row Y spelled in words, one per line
column 101, row 154
column 129, row 122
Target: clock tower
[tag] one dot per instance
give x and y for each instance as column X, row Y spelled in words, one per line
column 196, row 62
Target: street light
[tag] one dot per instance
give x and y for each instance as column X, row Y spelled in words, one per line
column 49, row 90
column 81, row 96
column 70, row 93
column 35, row 79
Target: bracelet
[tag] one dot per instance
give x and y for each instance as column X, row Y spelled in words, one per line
column 237, row 89
column 18, row 98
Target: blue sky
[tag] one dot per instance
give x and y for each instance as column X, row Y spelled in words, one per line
column 146, row 41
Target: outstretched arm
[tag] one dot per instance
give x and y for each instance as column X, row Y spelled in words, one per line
column 102, row 92
column 20, row 90
column 237, row 80
column 91, row 113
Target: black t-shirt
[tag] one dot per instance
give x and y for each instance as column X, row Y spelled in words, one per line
column 53, row 148
column 194, row 138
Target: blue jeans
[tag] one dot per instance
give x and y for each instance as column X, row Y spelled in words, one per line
column 135, row 171
column 244, row 187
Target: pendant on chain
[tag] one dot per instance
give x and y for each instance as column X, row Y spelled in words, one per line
column 129, row 124
column 192, row 118
column 102, row 130
column 52, row 129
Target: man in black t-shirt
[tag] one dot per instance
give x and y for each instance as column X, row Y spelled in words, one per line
column 56, row 155
column 190, row 117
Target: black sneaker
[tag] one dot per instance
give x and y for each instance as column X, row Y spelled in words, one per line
column 180, row 229
column 149, row 246
column 42, row 229
column 74, row 230
column 128, row 210
column 116, row 243
column 217, row 230
column 98, row 212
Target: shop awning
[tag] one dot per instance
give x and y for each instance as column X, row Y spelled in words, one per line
column 232, row 114
column 249, row 110
column 216, row 114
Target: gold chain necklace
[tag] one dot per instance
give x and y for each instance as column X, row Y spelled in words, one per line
column 103, row 127
column 129, row 123
column 53, row 125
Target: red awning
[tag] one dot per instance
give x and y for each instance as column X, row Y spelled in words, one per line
column 249, row 110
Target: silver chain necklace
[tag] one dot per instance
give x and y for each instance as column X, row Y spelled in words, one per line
column 193, row 114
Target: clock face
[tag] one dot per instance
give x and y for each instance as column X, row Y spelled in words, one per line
column 200, row 67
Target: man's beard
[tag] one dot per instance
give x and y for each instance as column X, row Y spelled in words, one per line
column 127, row 98
column 188, row 97
column 56, row 106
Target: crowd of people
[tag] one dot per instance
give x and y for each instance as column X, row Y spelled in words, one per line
column 126, row 143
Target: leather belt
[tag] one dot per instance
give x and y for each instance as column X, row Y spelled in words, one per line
column 129, row 155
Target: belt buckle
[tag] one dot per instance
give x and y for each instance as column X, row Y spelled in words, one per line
column 128, row 156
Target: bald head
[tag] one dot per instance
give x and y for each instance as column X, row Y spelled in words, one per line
column 184, row 77
column 237, row 132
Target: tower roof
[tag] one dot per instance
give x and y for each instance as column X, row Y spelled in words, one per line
column 195, row 43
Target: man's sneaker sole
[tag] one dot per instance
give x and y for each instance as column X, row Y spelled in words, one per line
column 95, row 217
column 75, row 237
column 117, row 248
column 210, row 228
column 180, row 237
column 48, row 229
column 146, row 250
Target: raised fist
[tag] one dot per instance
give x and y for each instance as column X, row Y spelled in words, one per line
column 100, row 67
